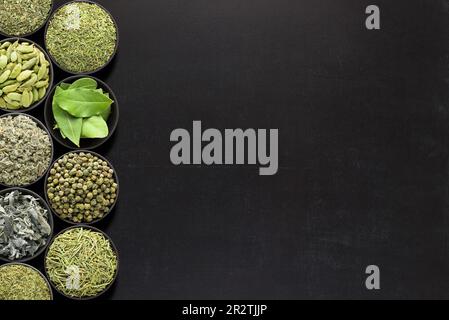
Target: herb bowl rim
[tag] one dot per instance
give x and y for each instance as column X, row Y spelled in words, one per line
column 50, row 83
column 43, row 127
column 116, row 41
column 50, row 222
column 115, row 175
column 113, row 246
column 50, row 13
column 47, row 109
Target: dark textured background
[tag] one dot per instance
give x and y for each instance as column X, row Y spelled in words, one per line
column 363, row 118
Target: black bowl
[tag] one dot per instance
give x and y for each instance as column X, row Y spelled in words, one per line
column 116, row 42
column 114, row 248
column 50, row 83
column 50, row 222
column 115, row 178
column 40, row 27
column 40, row 125
column 31, row 267
column 86, row 144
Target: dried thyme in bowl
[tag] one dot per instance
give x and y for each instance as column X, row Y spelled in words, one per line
column 81, row 37
column 24, row 225
column 22, row 17
column 22, row 282
column 26, row 151
column 81, row 263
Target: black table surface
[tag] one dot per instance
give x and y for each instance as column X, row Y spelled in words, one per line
column 363, row 119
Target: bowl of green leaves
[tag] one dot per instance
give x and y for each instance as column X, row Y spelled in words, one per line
column 81, row 112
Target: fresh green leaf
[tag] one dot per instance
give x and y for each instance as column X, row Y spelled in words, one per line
column 82, row 102
column 69, row 126
column 94, row 127
column 64, row 86
column 106, row 113
column 87, row 83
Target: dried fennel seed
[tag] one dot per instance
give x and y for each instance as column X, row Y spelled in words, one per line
column 20, row 17
column 81, row 37
column 25, row 151
column 90, row 254
column 21, row 282
column 24, row 227
column 24, row 75
column 81, row 187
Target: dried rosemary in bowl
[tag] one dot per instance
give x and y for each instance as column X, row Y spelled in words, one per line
column 81, row 263
column 81, row 37
column 26, row 150
column 23, row 282
column 22, row 17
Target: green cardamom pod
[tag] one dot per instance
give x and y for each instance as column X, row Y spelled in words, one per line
column 16, row 71
column 14, row 56
column 4, row 76
column 3, row 61
column 2, row 103
column 35, row 95
column 41, row 84
column 11, row 88
column 42, row 92
column 24, row 75
column 29, row 64
column 31, row 82
column 14, row 96
column 25, row 99
column 41, row 73
column 23, row 48
column 5, row 45
column 7, row 83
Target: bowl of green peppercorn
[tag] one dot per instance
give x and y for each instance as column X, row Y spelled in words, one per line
column 81, row 187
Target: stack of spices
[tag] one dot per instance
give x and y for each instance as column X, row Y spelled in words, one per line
column 22, row 282
column 81, row 37
column 81, row 187
column 22, row 17
column 26, row 150
column 87, row 257
column 24, row 225
column 24, row 75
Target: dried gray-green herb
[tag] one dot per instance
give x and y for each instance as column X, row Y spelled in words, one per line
column 24, row 225
column 20, row 17
column 25, row 151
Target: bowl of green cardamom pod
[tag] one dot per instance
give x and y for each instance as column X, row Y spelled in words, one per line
column 26, row 224
column 81, row 112
column 81, row 37
column 26, row 75
column 24, row 18
column 82, row 263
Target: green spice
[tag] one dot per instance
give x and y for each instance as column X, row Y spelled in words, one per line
column 81, row 263
column 24, row 227
column 24, row 75
column 81, row 187
column 81, row 37
column 81, row 110
column 25, row 151
column 22, row 282
column 20, row 17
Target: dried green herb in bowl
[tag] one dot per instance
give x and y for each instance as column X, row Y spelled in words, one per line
column 26, row 74
column 81, row 262
column 26, row 225
column 23, row 17
column 23, row 282
column 81, row 37
column 26, row 150
column 81, row 187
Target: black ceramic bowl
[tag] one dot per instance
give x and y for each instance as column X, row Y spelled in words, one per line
column 33, row 268
column 116, row 42
column 85, row 144
column 40, row 125
column 114, row 248
column 33, row 32
column 115, row 178
column 50, row 222
column 50, row 84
